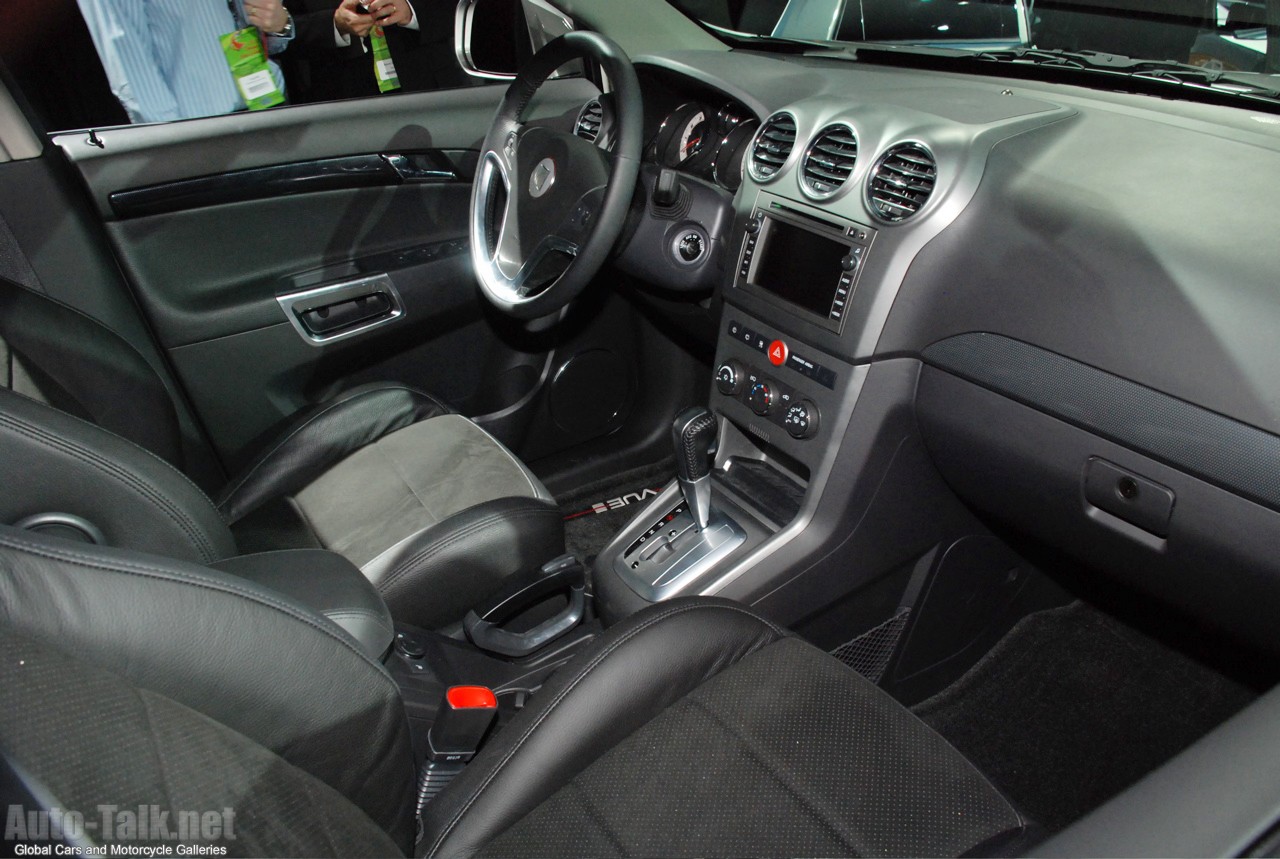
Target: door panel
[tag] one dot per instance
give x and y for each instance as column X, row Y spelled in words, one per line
column 210, row 258
column 215, row 271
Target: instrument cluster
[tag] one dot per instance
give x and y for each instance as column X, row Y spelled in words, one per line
column 705, row 141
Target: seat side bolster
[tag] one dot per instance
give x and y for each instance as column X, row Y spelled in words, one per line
column 321, row 436
column 87, row 369
column 326, row 583
column 638, row 668
column 246, row 656
column 61, row 464
column 75, row 735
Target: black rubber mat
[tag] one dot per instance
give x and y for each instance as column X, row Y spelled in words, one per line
column 595, row 513
column 1072, row 706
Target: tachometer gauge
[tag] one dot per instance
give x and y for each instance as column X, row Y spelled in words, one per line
column 726, row 163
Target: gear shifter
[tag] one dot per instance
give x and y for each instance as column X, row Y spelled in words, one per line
column 679, row 540
column 694, row 433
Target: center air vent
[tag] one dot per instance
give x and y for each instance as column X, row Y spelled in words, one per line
column 901, row 182
column 588, row 125
column 829, row 160
column 774, row 142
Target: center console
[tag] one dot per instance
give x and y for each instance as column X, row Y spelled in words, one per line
column 781, row 399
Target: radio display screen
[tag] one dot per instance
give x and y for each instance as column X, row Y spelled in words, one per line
column 800, row 266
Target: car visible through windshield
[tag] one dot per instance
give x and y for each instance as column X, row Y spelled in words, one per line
column 1228, row 36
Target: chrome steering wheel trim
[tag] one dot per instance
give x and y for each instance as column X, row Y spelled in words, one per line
column 499, row 276
column 547, row 206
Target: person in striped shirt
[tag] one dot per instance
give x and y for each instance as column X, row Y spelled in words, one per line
column 164, row 60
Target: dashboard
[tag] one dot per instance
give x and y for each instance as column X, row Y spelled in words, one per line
column 1059, row 325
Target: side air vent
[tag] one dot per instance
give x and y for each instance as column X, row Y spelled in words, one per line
column 773, row 144
column 829, row 160
column 588, row 125
column 901, row 182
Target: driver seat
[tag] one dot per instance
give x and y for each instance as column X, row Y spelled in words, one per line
column 432, row 509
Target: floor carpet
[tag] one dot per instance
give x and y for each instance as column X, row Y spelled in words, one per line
column 594, row 513
column 1072, row 706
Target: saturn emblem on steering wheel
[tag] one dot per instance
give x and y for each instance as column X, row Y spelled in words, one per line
column 542, row 177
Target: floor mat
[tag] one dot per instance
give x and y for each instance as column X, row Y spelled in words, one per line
column 596, row 512
column 1072, row 706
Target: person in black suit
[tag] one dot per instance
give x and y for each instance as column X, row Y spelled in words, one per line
column 331, row 58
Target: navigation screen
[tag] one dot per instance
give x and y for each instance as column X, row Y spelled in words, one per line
column 800, row 266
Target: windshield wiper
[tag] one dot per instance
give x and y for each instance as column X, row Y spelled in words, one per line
column 1167, row 71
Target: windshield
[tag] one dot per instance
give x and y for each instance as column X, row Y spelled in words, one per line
column 1228, row 35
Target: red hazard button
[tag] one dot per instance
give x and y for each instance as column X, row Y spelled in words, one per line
column 778, row 352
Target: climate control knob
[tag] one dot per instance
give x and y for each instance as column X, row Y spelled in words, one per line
column 760, row 398
column 801, row 420
column 729, row 378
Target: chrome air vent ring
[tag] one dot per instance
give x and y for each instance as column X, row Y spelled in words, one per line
column 829, row 160
column 901, row 182
column 772, row 147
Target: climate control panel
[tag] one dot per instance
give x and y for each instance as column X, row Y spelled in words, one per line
column 769, row 398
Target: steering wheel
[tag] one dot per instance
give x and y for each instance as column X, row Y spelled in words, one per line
column 548, row 206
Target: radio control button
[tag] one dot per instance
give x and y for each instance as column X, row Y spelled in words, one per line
column 849, row 262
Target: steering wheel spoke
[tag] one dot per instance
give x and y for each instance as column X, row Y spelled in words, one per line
column 575, row 227
column 547, row 206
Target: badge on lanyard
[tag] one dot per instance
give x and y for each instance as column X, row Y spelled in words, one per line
column 383, row 69
column 248, row 63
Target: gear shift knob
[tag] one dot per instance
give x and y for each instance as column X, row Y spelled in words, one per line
column 694, row 434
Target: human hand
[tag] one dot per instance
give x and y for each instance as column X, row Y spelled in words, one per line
column 269, row 16
column 391, row 12
column 350, row 20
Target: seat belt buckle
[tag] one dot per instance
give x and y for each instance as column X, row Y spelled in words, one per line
column 461, row 723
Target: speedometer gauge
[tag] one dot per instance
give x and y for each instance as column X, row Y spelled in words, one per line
column 684, row 134
column 693, row 135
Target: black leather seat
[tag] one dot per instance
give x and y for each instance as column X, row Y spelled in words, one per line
column 694, row 728
column 432, row 508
